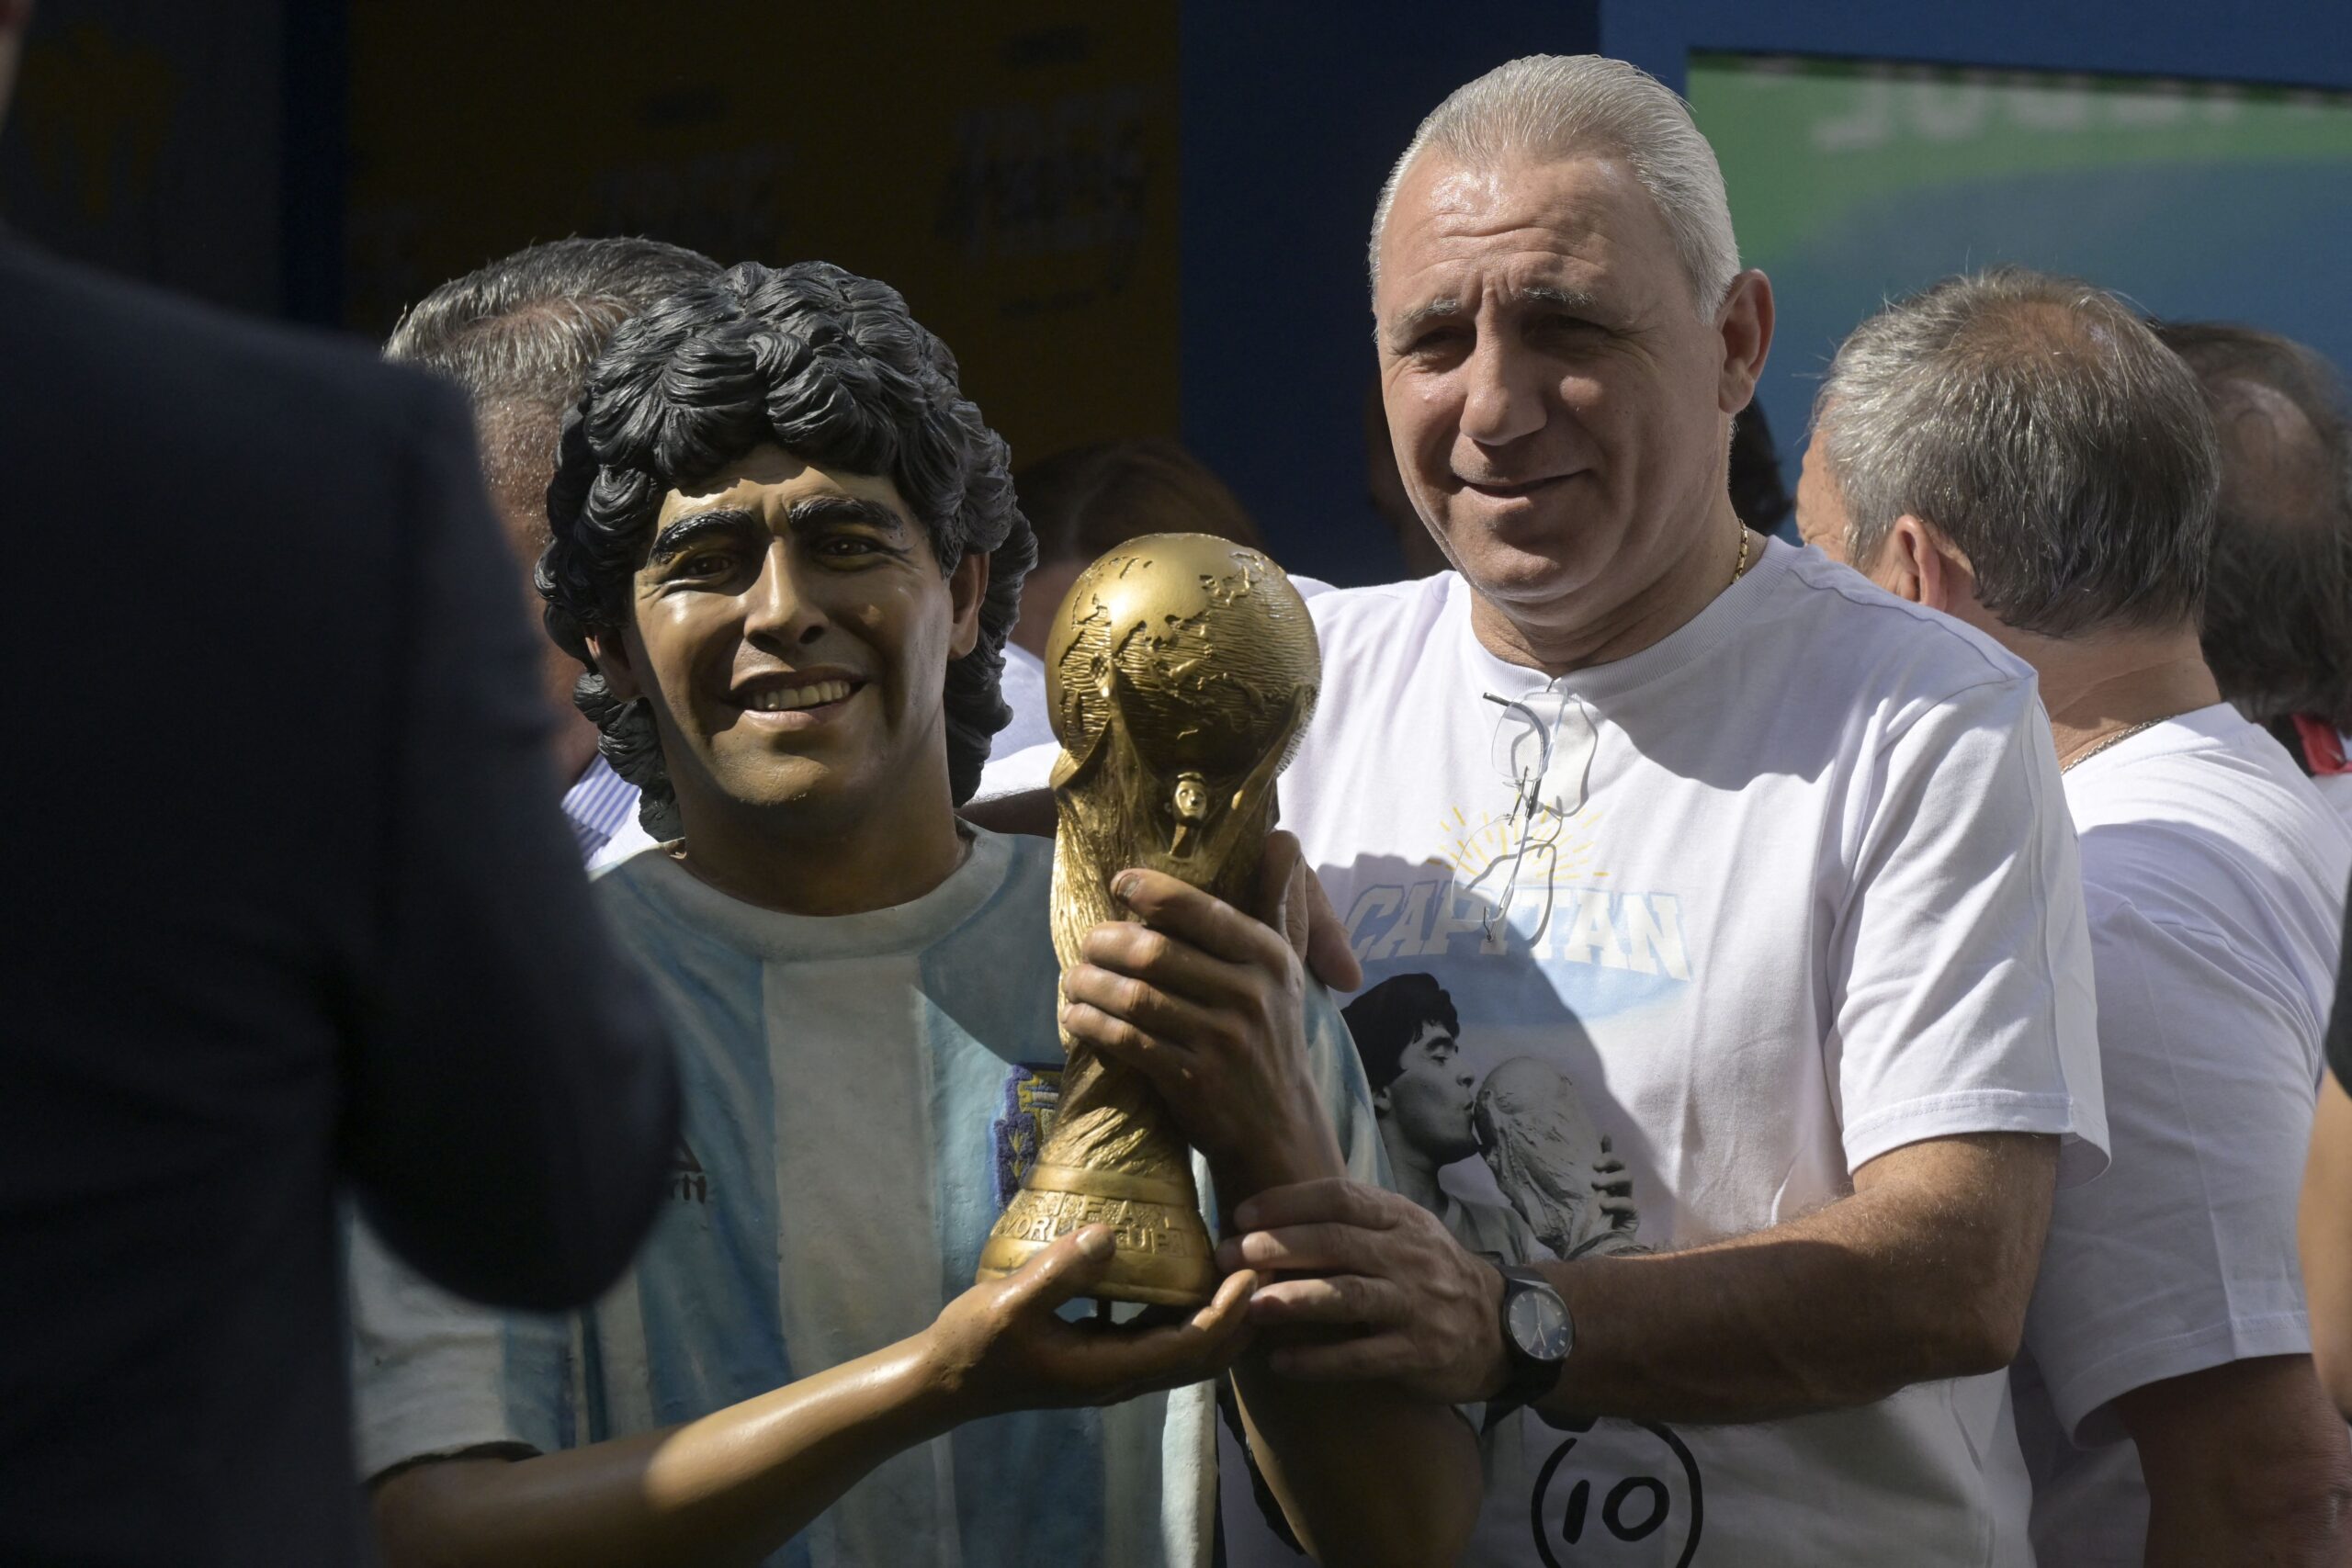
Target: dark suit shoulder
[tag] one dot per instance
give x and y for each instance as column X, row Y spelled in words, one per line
column 71, row 336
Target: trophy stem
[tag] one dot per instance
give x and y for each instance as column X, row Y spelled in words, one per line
column 1113, row 1158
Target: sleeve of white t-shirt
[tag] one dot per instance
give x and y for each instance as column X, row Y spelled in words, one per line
column 436, row 1377
column 1346, row 1093
column 2184, row 1257
column 1961, row 978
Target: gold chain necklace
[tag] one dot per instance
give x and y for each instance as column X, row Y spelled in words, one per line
column 2120, row 735
column 1741, row 569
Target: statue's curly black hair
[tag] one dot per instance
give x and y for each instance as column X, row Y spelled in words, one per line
column 831, row 367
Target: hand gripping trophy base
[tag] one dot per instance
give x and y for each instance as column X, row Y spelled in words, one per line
column 1182, row 670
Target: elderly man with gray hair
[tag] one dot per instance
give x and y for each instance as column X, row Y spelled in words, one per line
column 518, row 335
column 2022, row 452
column 1767, row 864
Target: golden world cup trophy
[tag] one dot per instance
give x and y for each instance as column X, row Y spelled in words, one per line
column 1182, row 670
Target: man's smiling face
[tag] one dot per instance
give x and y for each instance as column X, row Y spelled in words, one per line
column 792, row 630
column 1556, row 399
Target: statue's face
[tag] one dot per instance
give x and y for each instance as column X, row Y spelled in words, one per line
column 1430, row 1098
column 792, row 630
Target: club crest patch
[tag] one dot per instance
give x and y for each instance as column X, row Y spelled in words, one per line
column 1025, row 1116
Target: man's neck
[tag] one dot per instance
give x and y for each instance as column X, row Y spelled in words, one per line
column 2098, row 685
column 1415, row 1174
column 575, row 749
column 800, row 867
column 1563, row 637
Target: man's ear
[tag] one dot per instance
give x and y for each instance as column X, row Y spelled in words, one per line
column 1745, row 322
column 611, row 650
column 1916, row 563
column 1380, row 1102
column 967, row 585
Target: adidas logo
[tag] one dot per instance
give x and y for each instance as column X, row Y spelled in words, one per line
column 688, row 1181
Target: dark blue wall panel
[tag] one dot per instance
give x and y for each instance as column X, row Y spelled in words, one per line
column 1292, row 115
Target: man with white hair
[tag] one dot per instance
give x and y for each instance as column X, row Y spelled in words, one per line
column 1772, row 865
column 2021, row 452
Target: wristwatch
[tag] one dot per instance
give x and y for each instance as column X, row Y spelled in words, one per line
column 1537, row 1336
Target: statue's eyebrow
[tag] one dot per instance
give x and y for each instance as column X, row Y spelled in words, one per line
column 680, row 533
column 816, row 511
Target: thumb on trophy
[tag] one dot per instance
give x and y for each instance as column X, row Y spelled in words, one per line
column 1064, row 1269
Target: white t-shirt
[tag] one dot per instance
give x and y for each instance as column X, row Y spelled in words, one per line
column 1800, row 891
column 1023, row 687
column 862, row 1095
column 2215, row 880
column 2335, row 792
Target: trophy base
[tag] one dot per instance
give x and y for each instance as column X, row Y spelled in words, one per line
column 1163, row 1255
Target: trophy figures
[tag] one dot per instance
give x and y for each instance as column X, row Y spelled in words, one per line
column 1182, row 670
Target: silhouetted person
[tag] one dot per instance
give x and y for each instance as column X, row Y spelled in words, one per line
column 291, row 914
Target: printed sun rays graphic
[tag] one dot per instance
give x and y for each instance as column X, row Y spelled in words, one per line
column 1506, row 859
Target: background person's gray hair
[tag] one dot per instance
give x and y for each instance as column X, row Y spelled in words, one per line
column 2037, row 425
column 1550, row 106
column 520, row 333
column 2278, row 621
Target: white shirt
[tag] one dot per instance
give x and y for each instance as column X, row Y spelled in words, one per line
column 601, row 806
column 2215, row 880
column 2335, row 792
column 1023, row 686
column 1809, row 896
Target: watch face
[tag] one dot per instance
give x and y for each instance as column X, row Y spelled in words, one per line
column 1539, row 1323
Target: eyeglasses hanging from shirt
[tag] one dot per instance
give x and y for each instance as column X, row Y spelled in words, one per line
column 1543, row 747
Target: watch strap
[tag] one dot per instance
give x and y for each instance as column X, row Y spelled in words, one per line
column 1528, row 1378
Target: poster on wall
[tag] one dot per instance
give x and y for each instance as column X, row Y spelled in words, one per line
column 1015, row 179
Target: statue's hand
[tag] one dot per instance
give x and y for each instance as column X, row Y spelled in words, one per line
column 1208, row 1004
column 1001, row 1346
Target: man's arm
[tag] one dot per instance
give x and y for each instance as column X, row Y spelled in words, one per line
column 1924, row 1272
column 513, row 1104
column 733, row 1485
column 2247, row 1464
column 2168, row 1299
column 1208, row 1003
column 2325, row 1228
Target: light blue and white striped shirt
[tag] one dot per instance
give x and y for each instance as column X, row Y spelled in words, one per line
column 861, row 1093
column 599, row 805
